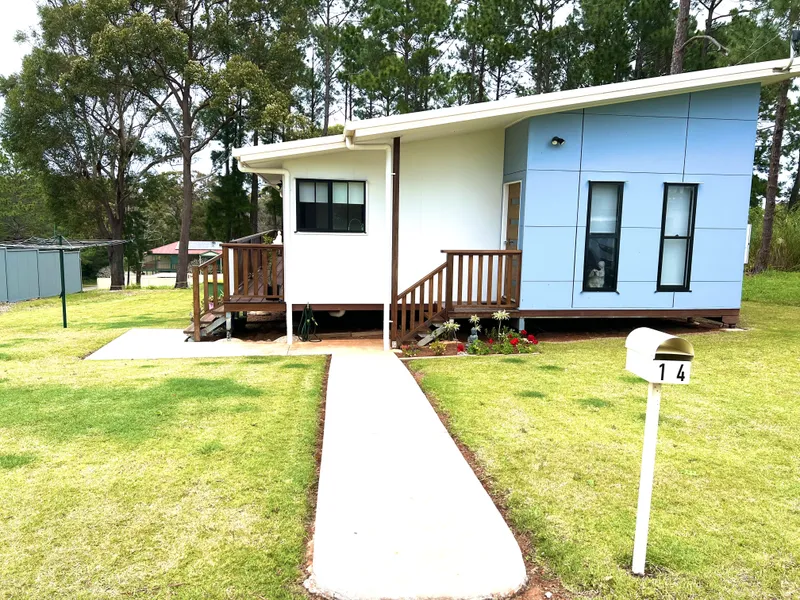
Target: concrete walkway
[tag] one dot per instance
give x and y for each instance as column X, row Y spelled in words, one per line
column 144, row 344
column 400, row 514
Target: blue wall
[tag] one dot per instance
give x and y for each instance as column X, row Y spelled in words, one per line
column 705, row 138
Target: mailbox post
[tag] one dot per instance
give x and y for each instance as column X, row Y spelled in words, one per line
column 657, row 358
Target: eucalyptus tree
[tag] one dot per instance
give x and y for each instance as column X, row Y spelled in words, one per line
column 74, row 119
column 178, row 54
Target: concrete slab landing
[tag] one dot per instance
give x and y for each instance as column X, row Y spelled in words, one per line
column 400, row 514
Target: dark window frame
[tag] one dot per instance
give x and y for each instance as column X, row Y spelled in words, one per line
column 617, row 234
column 687, row 273
column 330, row 204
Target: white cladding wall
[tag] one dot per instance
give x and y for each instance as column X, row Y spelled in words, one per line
column 450, row 198
column 339, row 268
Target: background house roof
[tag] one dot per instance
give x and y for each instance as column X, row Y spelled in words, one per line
column 503, row 113
column 195, row 248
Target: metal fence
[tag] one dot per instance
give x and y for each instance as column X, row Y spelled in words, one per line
column 28, row 273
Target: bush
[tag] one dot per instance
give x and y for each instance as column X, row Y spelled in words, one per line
column 438, row 347
column 785, row 254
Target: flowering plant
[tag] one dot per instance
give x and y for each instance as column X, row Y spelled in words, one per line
column 409, row 349
column 460, row 347
column 514, row 341
column 451, row 328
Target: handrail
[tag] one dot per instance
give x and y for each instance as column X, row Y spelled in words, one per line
column 209, row 301
column 422, row 280
column 482, row 252
column 252, row 246
column 247, row 238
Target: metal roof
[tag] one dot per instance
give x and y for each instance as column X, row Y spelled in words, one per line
column 503, row 113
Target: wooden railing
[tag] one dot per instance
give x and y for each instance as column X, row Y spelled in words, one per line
column 420, row 304
column 470, row 281
column 206, row 291
column 483, row 279
column 255, row 272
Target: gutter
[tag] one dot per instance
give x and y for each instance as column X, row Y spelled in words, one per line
column 350, row 144
column 287, row 217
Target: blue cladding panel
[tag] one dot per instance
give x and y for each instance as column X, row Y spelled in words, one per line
column 723, row 201
column 50, row 274
column 740, row 102
column 541, row 295
column 547, row 253
column 631, row 295
column 668, row 106
column 551, row 198
column 633, row 144
column 710, row 295
column 21, row 275
column 718, row 255
column 3, row 284
column 720, row 147
column 638, row 252
column 516, row 148
column 541, row 152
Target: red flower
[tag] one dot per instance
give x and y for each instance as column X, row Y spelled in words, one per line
column 535, row 341
column 460, row 347
column 523, row 333
column 491, row 341
column 531, row 338
column 514, row 341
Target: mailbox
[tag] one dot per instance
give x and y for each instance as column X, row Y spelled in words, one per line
column 658, row 357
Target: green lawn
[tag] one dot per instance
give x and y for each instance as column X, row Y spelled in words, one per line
column 148, row 479
column 560, row 436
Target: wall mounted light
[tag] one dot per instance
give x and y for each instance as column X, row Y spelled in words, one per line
column 557, row 141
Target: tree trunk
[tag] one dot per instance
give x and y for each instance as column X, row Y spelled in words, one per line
column 794, row 195
column 762, row 259
column 254, row 194
column 116, row 256
column 186, row 210
column 681, row 33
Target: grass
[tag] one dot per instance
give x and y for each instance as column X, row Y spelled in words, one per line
column 148, row 479
column 560, row 436
column 773, row 287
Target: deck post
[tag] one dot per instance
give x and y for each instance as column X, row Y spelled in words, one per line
column 228, row 326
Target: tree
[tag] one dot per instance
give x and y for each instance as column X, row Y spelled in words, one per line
column 178, row 54
column 412, row 35
column 681, row 36
column 609, row 47
column 74, row 121
column 783, row 13
column 23, row 203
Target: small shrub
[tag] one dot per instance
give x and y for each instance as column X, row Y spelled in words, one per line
column 438, row 347
column 451, row 328
column 409, row 349
column 479, row 348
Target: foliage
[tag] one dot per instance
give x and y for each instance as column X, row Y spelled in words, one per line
column 409, row 350
column 785, row 254
column 772, row 287
column 561, row 441
column 451, row 328
column 438, row 347
column 146, row 472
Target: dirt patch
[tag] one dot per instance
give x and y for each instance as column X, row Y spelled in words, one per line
column 540, row 582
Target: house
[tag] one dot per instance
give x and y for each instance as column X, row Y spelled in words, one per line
column 164, row 259
column 629, row 199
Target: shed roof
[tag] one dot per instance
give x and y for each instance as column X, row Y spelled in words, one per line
column 195, row 248
column 503, row 113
